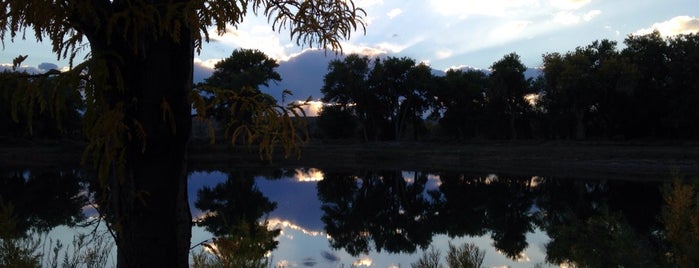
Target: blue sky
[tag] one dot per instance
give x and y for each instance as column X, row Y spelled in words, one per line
column 450, row 33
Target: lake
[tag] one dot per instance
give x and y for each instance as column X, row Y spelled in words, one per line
column 359, row 217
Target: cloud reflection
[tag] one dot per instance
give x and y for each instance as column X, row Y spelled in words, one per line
column 309, row 175
column 285, row 224
column 364, row 261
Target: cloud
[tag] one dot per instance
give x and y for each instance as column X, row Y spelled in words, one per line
column 45, row 66
column 444, row 53
column 329, row 256
column 257, row 36
column 466, row 8
column 591, row 15
column 394, row 13
column 570, row 18
column 509, row 31
column 566, row 18
column 569, row 4
column 23, row 68
column 673, row 26
column 203, row 69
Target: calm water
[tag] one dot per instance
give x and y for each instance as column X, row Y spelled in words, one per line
column 386, row 218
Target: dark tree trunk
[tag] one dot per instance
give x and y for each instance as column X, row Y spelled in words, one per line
column 148, row 204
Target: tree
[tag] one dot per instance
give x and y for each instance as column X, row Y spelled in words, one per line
column 244, row 69
column 137, row 83
column 401, row 86
column 461, row 96
column 508, row 87
column 346, row 85
column 649, row 54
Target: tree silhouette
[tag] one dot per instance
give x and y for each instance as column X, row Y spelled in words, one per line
column 506, row 92
column 137, row 83
column 461, row 97
column 244, row 69
column 233, row 210
column 381, row 208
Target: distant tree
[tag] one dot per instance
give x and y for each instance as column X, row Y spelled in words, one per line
column 587, row 88
column 649, row 54
column 22, row 115
column 461, row 97
column 238, row 77
column 505, row 96
column 336, row 122
column 401, row 86
column 241, row 73
column 346, row 85
column 683, row 86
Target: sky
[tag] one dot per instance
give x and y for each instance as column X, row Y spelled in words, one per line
column 442, row 33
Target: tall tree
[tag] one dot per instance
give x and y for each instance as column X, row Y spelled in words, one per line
column 138, row 85
column 346, row 84
column 507, row 89
column 461, row 97
column 649, row 54
column 239, row 76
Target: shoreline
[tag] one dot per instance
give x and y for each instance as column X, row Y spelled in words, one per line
column 610, row 160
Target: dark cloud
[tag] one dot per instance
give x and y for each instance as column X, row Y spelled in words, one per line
column 45, row 66
column 329, row 256
column 303, row 75
column 309, row 262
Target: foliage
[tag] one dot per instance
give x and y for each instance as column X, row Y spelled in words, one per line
column 681, row 219
column 38, row 105
column 88, row 250
column 17, row 249
column 244, row 71
column 429, row 259
column 233, row 250
column 392, row 91
column 505, row 94
column 336, row 122
column 467, row 255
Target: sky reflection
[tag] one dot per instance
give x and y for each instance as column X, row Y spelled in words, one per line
column 303, row 241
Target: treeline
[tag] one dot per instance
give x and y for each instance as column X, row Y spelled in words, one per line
column 649, row 89
column 38, row 106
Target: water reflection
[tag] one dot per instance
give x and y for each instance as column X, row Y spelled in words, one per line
column 232, row 213
column 43, row 199
column 594, row 223
column 589, row 223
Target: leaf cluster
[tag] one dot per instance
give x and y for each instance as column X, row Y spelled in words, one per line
column 67, row 23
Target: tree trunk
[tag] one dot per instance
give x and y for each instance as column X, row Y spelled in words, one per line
column 148, row 205
column 579, row 125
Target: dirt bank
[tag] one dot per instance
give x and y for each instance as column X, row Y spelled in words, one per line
column 646, row 161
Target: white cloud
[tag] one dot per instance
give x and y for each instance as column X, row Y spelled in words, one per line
column 444, row 53
column 260, row 37
column 566, row 18
column 673, row 26
column 394, row 13
column 569, row 4
column 465, row 8
column 509, row 31
column 591, row 15
column 209, row 63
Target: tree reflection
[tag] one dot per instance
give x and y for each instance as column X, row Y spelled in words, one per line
column 600, row 223
column 234, row 209
column 43, row 199
column 379, row 206
column 476, row 206
column 590, row 223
